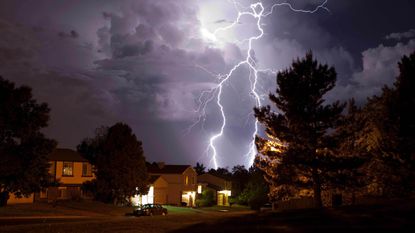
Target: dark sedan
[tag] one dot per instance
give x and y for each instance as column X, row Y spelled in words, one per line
column 150, row 210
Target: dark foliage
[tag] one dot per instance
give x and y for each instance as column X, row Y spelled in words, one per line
column 200, row 168
column 23, row 148
column 255, row 191
column 207, row 198
column 119, row 163
column 387, row 135
column 305, row 156
column 221, row 172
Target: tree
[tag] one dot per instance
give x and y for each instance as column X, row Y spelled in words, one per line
column 221, row 172
column 388, row 134
column 200, row 168
column 240, row 176
column 207, row 198
column 301, row 129
column 23, row 148
column 255, row 191
column 348, row 138
column 119, row 163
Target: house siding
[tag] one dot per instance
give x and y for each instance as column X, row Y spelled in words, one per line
column 176, row 187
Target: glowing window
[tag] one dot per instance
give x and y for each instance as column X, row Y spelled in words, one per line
column 186, row 180
column 199, row 189
column 67, row 169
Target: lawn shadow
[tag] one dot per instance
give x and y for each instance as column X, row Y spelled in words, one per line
column 346, row 219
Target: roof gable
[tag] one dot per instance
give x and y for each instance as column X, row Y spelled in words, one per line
column 69, row 155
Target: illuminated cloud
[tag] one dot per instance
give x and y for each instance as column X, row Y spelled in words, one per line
column 146, row 62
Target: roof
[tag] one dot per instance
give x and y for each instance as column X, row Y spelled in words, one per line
column 60, row 154
column 167, row 169
column 153, row 179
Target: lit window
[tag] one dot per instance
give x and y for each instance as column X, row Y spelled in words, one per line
column 199, row 189
column 186, row 181
column 67, row 169
column 86, row 169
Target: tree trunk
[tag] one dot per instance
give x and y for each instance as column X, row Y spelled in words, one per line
column 317, row 190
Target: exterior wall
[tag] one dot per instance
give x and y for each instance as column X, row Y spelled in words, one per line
column 15, row 200
column 69, row 187
column 76, row 177
column 177, row 185
column 160, row 191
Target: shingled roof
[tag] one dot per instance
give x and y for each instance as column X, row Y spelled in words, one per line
column 60, row 154
column 166, row 169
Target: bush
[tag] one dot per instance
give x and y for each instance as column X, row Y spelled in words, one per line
column 206, row 199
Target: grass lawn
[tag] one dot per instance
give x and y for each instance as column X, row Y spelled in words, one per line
column 64, row 208
column 234, row 208
column 398, row 216
column 97, row 209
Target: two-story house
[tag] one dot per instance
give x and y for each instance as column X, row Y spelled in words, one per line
column 170, row 184
column 69, row 169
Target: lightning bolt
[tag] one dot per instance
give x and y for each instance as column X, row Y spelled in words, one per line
column 258, row 12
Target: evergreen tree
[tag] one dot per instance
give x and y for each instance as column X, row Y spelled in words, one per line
column 301, row 130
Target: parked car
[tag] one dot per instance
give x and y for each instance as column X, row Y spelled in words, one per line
column 267, row 207
column 150, row 210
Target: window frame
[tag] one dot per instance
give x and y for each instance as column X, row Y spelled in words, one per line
column 86, row 174
column 63, row 168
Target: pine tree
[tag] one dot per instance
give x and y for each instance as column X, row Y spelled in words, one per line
column 297, row 155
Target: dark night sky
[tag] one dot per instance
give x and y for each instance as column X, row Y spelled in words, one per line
column 97, row 62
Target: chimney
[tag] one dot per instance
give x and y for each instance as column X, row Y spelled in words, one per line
column 161, row 165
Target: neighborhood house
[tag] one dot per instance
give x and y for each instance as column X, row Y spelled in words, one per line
column 169, row 184
column 220, row 186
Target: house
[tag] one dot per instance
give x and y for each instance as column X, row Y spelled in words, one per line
column 170, row 184
column 69, row 169
column 157, row 192
column 222, row 187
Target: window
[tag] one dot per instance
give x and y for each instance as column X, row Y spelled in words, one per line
column 86, row 169
column 67, row 169
column 186, row 180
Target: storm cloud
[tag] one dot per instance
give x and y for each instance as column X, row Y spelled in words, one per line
column 146, row 62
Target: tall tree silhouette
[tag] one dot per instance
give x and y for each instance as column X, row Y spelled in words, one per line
column 298, row 141
column 23, row 148
column 388, row 134
column 119, row 163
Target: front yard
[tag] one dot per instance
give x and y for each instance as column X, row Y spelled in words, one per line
column 392, row 217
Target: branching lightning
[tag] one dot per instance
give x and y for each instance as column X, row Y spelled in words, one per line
column 258, row 12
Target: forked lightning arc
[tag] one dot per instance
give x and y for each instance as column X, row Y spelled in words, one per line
column 258, row 12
